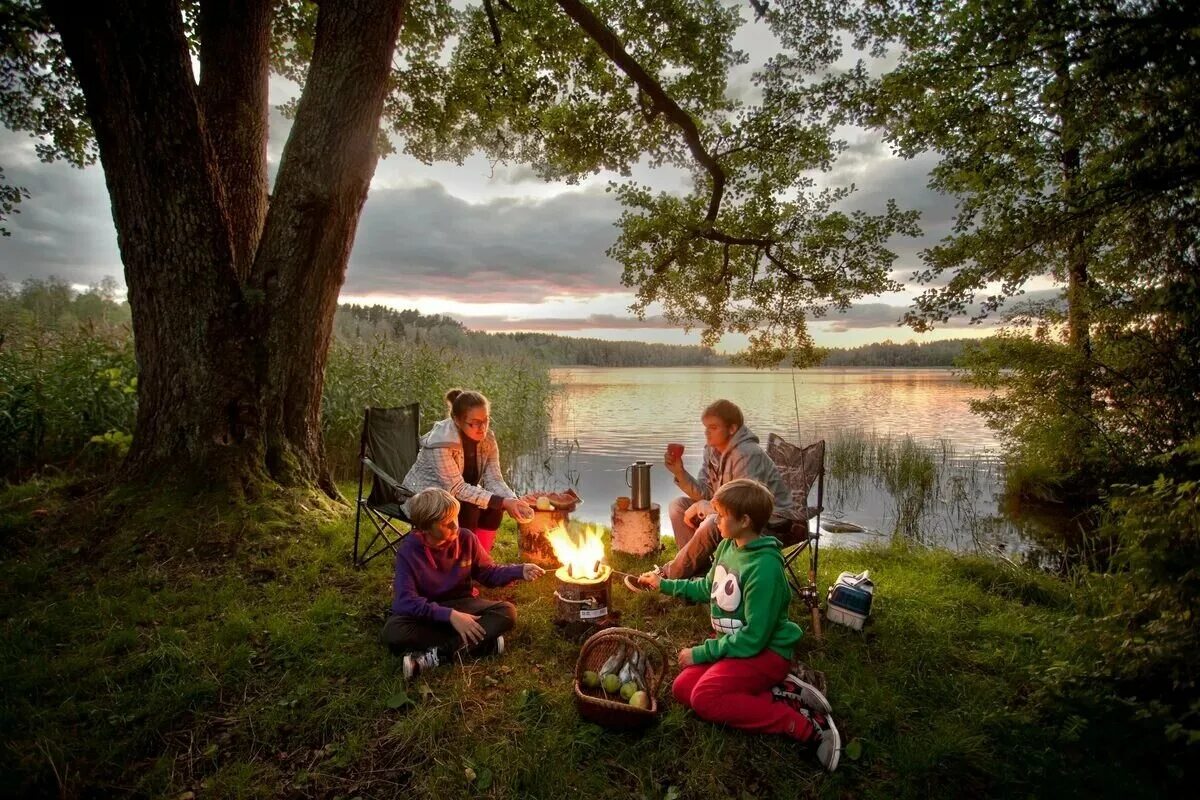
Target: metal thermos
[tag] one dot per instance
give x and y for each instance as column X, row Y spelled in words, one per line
column 637, row 478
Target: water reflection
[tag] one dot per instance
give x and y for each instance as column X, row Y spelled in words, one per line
column 605, row 419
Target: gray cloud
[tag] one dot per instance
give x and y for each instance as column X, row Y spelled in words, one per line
column 884, row 315
column 558, row 324
column 423, row 240
column 65, row 227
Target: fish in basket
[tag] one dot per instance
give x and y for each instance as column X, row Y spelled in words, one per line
column 618, row 676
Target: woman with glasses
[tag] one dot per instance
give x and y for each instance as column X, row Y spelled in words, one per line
column 460, row 455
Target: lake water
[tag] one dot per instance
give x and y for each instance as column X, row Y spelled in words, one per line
column 605, row 419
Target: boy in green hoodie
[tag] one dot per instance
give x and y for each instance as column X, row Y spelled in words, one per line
column 740, row 676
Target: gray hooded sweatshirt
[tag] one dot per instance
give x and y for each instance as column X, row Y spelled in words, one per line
column 744, row 458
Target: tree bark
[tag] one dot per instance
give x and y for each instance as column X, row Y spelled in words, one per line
column 235, row 38
column 1078, row 392
column 132, row 62
column 232, row 301
column 323, row 180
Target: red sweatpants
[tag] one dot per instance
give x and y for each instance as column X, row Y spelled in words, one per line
column 737, row 692
column 486, row 538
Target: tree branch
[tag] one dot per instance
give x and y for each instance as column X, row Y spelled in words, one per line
column 603, row 36
column 492, row 23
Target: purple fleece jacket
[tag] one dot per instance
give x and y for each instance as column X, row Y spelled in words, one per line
column 425, row 574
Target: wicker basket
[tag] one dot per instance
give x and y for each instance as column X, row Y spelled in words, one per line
column 595, row 704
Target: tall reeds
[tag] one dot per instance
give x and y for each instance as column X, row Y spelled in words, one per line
column 935, row 492
column 68, row 397
column 390, row 372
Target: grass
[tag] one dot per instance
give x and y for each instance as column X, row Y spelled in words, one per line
column 134, row 666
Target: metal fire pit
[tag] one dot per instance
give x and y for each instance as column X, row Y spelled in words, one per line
column 582, row 605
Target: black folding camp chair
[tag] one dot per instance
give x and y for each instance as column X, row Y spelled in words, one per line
column 389, row 445
column 801, row 467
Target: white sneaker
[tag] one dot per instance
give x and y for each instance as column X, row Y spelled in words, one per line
column 826, row 739
column 801, row 694
column 416, row 663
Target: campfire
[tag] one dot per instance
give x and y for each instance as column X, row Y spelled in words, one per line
column 581, row 554
column 583, row 582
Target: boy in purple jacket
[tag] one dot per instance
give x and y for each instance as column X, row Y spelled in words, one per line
column 434, row 613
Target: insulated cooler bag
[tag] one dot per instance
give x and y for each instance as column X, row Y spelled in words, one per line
column 849, row 601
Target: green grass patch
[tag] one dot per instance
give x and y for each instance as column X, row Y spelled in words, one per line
column 255, row 671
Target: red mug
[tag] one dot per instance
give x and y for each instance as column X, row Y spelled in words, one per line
column 675, row 451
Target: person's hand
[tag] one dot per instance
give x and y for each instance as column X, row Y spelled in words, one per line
column 673, row 464
column 651, row 579
column 518, row 509
column 531, row 572
column 685, row 657
column 696, row 513
column 467, row 626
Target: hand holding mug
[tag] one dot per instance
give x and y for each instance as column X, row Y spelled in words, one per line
column 673, row 458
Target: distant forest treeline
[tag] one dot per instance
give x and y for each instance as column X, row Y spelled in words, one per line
column 52, row 304
column 359, row 322
column 354, row 321
column 895, row 354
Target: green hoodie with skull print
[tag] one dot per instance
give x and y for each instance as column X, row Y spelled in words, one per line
column 748, row 599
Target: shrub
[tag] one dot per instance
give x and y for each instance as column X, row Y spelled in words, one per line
column 59, row 391
column 1153, row 655
column 389, row 372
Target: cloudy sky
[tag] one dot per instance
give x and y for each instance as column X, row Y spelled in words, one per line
column 488, row 244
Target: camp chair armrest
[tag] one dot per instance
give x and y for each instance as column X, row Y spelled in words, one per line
column 401, row 491
column 807, row 513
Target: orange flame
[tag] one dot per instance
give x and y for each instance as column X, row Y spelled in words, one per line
column 581, row 553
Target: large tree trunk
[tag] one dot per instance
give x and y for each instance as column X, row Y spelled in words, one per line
column 322, row 183
column 189, row 319
column 232, row 303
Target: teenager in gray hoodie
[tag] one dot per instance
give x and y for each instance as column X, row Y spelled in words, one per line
column 731, row 451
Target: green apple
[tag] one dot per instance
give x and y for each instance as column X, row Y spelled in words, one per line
column 628, row 689
column 611, row 683
column 591, row 680
column 543, row 503
column 640, row 700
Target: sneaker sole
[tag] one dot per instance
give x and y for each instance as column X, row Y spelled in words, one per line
column 810, row 696
column 831, row 739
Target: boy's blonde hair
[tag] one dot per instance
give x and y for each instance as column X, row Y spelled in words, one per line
column 747, row 498
column 431, row 505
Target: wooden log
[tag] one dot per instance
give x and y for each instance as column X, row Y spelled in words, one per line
column 532, row 543
column 635, row 530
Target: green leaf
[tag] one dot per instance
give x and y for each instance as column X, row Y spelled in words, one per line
column 854, row 750
column 399, row 700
